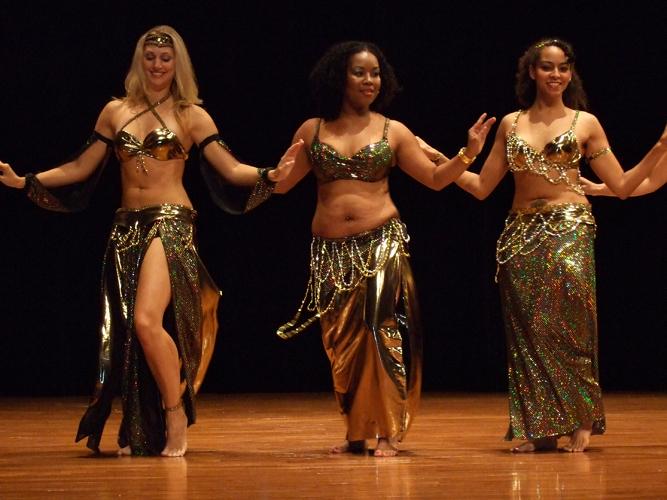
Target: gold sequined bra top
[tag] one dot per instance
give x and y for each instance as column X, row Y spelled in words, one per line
column 370, row 164
column 559, row 156
column 161, row 144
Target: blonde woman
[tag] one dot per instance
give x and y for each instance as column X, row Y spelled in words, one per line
column 158, row 322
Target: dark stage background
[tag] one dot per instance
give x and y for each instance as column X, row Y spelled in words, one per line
column 59, row 65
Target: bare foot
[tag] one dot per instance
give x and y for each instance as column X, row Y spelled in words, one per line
column 177, row 432
column 578, row 440
column 542, row 444
column 348, row 447
column 385, row 448
column 125, row 451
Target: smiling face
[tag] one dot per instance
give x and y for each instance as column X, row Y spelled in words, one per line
column 159, row 66
column 552, row 71
column 362, row 84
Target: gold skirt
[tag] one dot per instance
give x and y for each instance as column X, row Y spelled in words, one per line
column 362, row 290
column 191, row 320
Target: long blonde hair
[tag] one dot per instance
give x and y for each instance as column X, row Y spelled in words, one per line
column 184, row 86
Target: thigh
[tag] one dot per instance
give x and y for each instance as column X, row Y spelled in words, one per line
column 154, row 287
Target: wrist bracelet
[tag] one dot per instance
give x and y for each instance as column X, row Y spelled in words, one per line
column 465, row 158
column 264, row 175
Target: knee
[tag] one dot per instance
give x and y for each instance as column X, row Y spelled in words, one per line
column 146, row 326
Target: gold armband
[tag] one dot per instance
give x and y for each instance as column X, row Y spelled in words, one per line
column 597, row 154
column 465, row 158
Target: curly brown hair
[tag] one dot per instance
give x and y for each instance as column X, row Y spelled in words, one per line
column 574, row 96
column 327, row 79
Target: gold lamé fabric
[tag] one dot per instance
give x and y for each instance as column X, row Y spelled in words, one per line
column 362, row 290
column 560, row 155
column 161, row 143
column 191, row 321
column 546, row 278
column 370, row 164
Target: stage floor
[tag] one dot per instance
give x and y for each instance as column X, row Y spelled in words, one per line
column 276, row 446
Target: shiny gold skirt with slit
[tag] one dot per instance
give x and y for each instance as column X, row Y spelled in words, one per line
column 191, row 320
column 546, row 275
column 362, row 290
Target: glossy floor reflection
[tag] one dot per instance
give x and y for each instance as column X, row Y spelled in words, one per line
column 275, row 446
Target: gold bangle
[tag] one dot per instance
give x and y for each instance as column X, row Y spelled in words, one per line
column 465, row 158
column 597, row 154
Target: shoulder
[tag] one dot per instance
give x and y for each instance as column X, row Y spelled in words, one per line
column 587, row 118
column 195, row 113
column 112, row 108
column 307, row 129
column 508, row 120
column 397, row 128
column 588, row 126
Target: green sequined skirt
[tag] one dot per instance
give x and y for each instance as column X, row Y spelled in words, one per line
column 191, row 320
column 546, row 276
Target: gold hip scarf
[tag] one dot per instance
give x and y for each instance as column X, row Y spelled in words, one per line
column 362, row 290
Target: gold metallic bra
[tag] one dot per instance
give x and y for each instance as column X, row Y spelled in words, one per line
column 370, row 164
column 161, row 144
column 557, row 157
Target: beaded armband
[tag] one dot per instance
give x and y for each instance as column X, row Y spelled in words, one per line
column 597, row 154
column 40, row 196
column 262, row 191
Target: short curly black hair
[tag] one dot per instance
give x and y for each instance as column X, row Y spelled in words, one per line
column 574, row 95
column 328, row 77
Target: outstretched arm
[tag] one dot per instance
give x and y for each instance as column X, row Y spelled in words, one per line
column 494, row 168
column 226, row 164
column 71, row 172
column 609, row 170
column 655, row 180
column 301, row 162
column 438, row 172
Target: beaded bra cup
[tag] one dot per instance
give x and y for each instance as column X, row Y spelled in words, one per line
column 371, row 163
column 160, row 144
column 558, row 156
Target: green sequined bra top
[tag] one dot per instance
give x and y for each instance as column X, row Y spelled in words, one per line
column 553, row 162
column 370, row 164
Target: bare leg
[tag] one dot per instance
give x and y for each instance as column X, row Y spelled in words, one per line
column 385, row 448
column 348, row 447
column 543, row 444
column 153, row 297
column 580, row 438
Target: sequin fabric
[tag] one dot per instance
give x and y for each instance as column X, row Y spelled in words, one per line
column 191, row 321
column 362, row 290
column 546, row 278
column 559, row 156
column 370, row 164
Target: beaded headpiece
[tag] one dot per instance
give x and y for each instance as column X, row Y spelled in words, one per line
column 544, row 43
column 159, row 39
